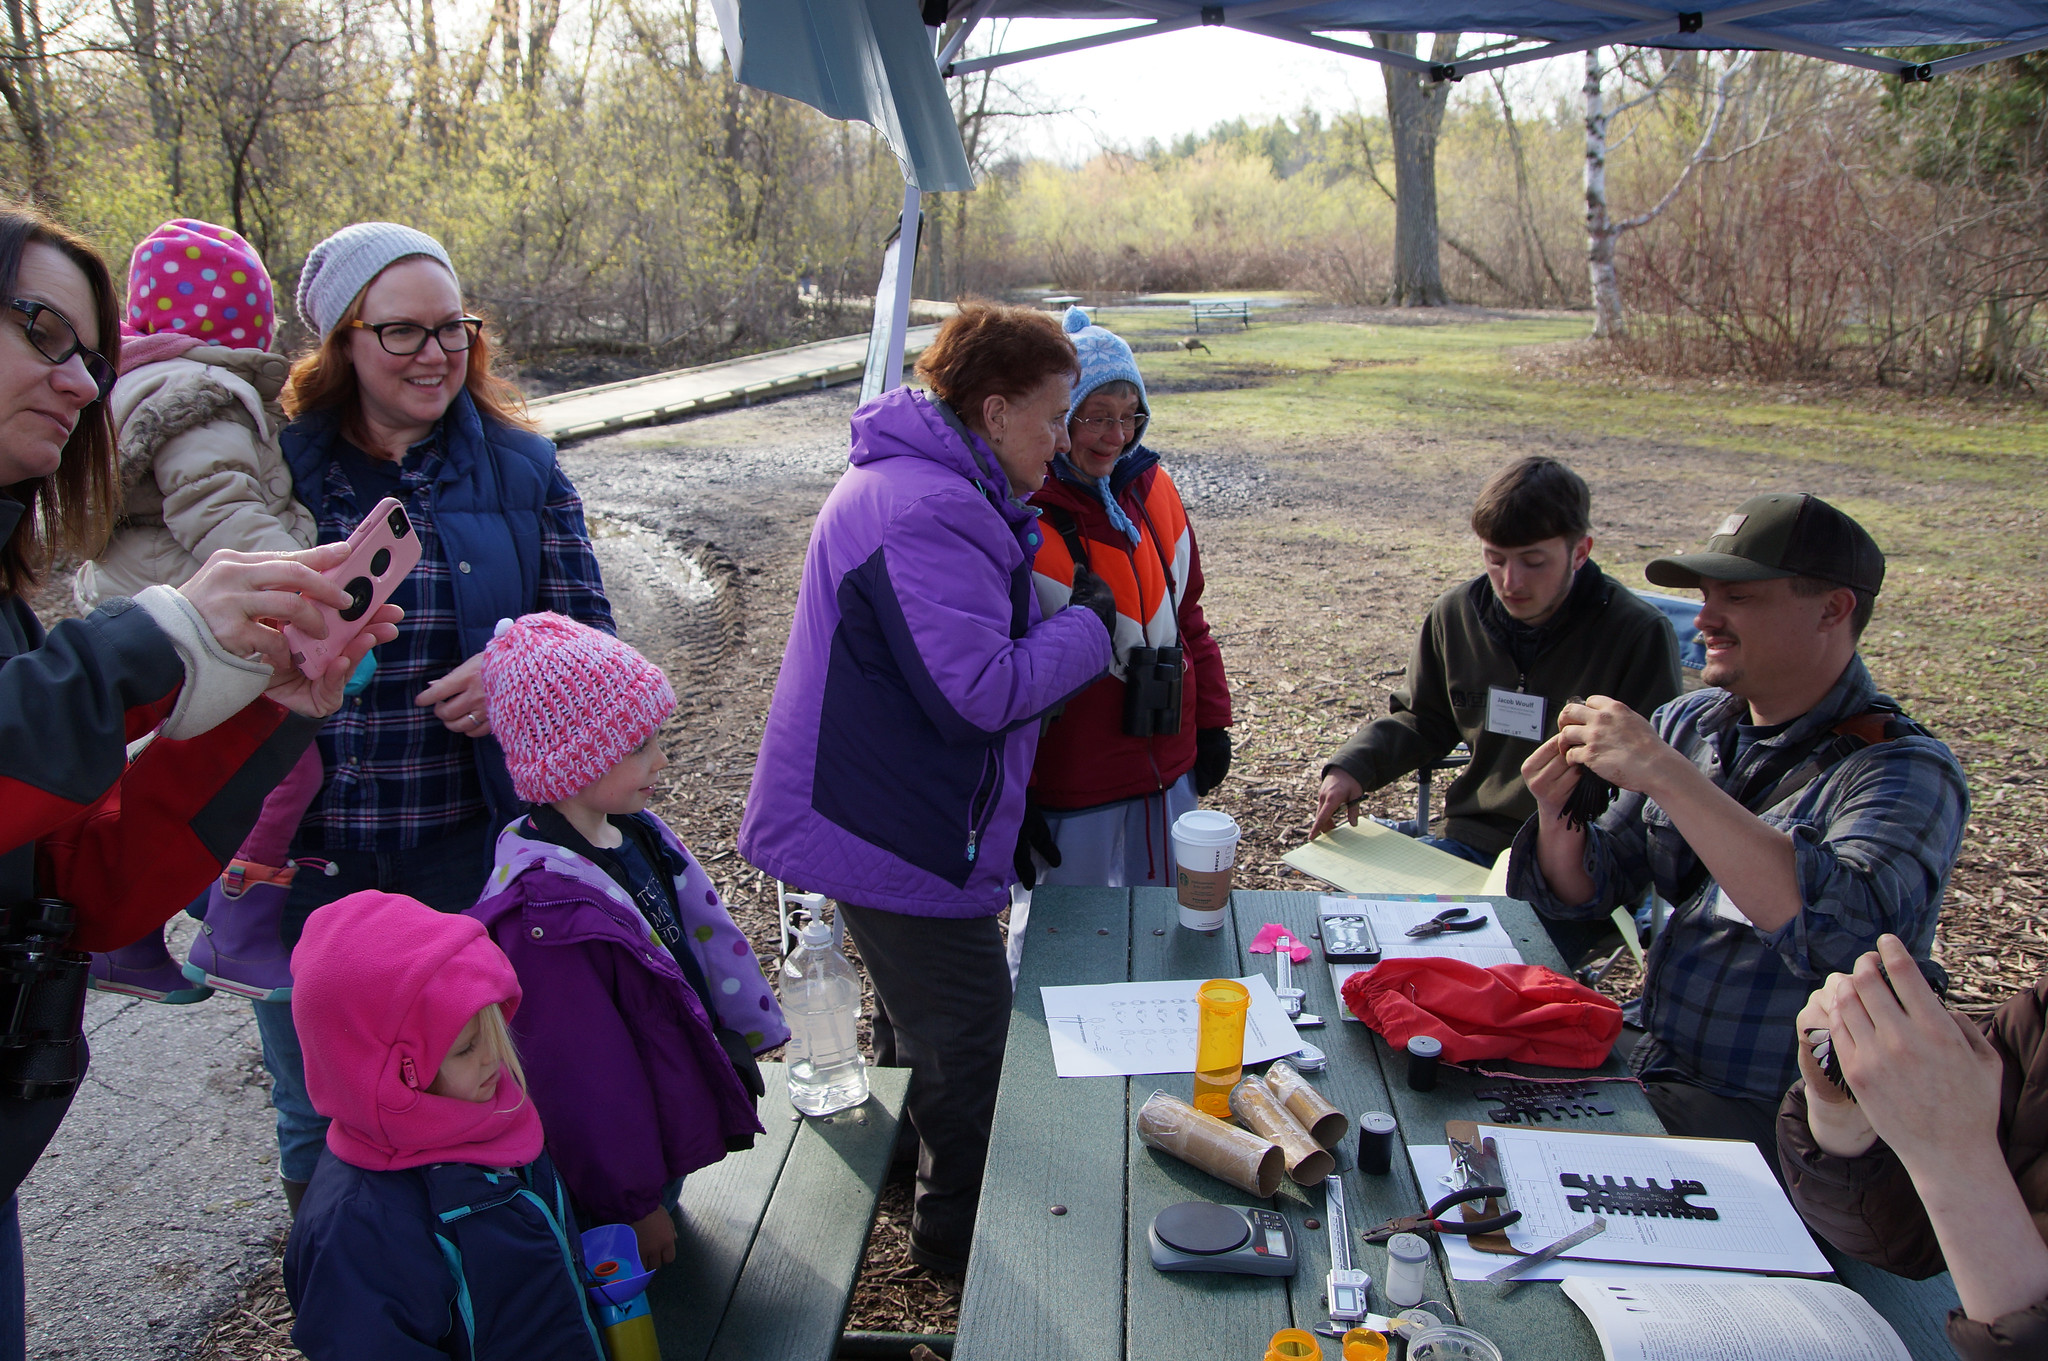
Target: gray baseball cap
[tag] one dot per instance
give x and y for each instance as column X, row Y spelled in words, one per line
column 1782, row 534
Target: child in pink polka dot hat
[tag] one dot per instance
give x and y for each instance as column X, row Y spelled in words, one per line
column 197, row 420
column 195, row 279
column 644, row 1006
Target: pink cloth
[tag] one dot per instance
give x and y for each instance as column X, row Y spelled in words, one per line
column 382, row 985
column 138, row 348
column 201, row 280
column 269, row 842
column 1262, row 943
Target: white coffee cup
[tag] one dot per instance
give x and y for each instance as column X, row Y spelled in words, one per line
column 1204, row 853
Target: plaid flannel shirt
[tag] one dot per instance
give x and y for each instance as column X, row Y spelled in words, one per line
column 1874, row 839
column 397, row 778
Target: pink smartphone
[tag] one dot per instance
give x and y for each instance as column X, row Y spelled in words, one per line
column 383, row 549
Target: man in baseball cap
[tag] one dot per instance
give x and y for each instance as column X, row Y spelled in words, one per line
column 1788, row 812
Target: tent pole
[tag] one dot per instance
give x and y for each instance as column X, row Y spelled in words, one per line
column 906, row 269
column 963, row 68
column 966, row 30
column 1963, row 61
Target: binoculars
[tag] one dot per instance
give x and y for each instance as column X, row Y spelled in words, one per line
column 1152, row 681
column 42, row 1000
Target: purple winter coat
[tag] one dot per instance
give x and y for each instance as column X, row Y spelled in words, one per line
column 900, row 739
column 632, row 1086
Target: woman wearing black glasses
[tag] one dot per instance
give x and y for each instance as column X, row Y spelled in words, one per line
column 399, row 400
column 97, row 850
column 1135, row 750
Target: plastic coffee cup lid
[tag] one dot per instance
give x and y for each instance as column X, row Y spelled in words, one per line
column 1376, row 1122
column 1426, row 1046
column 1205, row 827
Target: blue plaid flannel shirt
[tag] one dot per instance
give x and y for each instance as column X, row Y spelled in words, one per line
column 397, row 778
column 1874, row 837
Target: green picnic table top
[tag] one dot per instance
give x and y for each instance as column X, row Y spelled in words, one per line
column 1060, row 1266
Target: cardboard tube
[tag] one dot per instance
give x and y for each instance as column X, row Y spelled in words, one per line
column 1258, row 1110
column 1324, row 1122
column 1238, row 1156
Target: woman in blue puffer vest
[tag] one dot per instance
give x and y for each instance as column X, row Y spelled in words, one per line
column 399, row 401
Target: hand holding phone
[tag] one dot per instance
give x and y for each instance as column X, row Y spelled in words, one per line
column 382, row 550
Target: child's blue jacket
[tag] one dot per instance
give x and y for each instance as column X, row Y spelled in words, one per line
column 451, row 1260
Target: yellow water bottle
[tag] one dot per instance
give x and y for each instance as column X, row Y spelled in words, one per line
column 1292, row 1344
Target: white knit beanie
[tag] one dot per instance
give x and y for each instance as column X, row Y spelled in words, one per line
column 342, row 266
column 567, row 703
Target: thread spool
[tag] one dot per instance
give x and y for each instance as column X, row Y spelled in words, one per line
column 1407, row 1266
column 1424, row 1052
column 1376, row 1143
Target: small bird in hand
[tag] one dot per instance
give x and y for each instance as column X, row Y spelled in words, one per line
column 1193, row 343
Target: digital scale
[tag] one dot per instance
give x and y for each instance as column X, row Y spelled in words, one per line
column 1198, row 1235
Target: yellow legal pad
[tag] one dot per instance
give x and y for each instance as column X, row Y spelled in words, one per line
column 1370, row 858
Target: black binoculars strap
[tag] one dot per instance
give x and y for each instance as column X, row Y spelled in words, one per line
column 1062, row 520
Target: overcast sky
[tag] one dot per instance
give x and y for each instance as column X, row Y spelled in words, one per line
column 1125, row 93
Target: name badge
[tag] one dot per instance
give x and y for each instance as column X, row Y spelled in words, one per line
column 1510, row 713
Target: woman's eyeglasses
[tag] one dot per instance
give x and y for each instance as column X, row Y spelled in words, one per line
column 56, row 340
column 409, row 337
column 1105, row 425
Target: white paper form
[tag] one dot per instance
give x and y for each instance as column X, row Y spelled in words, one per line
column 1123, row 1029
column 1391, row 918
column 1755, row 1228
column 1433, row 1164
column 1733, row 1319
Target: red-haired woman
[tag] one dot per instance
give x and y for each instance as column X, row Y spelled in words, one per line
column 900, row 739
column 399, row 400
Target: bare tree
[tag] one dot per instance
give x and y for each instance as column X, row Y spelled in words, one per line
column 1603, row 229
column 24, row 83
column 1415, row 118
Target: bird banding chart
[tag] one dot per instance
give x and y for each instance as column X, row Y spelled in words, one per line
column 1124, row 1029
column 1667, row 1201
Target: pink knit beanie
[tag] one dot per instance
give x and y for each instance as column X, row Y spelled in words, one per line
column 568, row 703
column 202, row 281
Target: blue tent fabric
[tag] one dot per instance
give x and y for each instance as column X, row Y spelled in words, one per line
column 1833, row 23
column 869, row 60
column 872, row 59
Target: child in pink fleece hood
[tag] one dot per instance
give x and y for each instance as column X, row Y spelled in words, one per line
column 434, row 1222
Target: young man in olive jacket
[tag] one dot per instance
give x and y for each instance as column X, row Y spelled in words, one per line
column 1498, row 657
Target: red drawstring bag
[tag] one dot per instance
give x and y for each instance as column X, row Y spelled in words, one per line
column 1522, row 1012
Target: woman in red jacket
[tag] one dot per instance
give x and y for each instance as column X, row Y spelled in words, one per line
column 1129, row 754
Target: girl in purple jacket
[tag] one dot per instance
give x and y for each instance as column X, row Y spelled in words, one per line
column 644, row 1005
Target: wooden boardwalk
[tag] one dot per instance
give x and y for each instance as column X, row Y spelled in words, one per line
column 670, row 396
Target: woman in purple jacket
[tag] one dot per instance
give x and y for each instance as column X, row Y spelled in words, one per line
column 900, row 740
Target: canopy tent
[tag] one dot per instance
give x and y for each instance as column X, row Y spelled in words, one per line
column 873, row 59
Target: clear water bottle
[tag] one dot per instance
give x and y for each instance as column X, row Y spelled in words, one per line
column 821, row 1003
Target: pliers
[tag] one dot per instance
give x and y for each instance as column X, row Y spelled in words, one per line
column 1450, row 919
column 1429, row 1222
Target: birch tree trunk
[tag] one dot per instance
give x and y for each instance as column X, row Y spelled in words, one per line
column 1415, row 118
column 1608, row 321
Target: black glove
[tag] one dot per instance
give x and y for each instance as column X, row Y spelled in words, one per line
column 1091, row 592
column 1212, row 758
column 1034, row 835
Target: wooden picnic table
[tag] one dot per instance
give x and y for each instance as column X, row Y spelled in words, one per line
column 1060, row 1265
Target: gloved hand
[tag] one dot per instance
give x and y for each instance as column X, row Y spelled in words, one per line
column 1034, row 835
column 1212, row 758
column 1091, row 592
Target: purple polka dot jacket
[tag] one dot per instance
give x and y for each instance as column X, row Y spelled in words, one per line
column 633, row 1088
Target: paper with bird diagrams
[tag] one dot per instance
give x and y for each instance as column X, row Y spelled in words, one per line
column 1733, row 1319
column 1391, row 918
column 1753, row 1228
column 1124, row 1029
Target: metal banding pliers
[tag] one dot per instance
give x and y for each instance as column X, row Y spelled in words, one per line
column 1430, row 1221
column 1450, row 919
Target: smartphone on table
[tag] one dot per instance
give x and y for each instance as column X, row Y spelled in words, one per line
column 1350, row 940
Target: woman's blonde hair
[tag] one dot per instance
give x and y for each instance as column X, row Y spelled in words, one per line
column 326, row 380
column 492, row 1030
